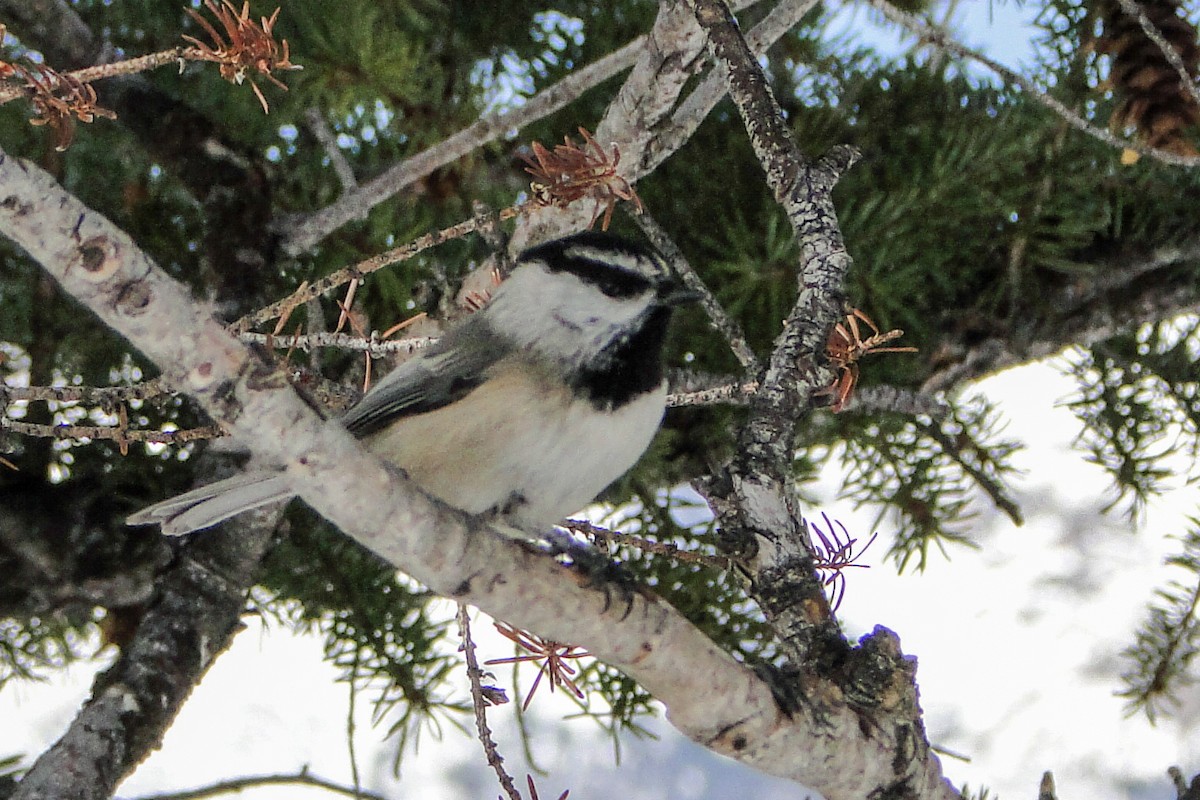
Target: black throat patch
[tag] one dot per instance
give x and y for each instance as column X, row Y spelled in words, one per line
column 627, row 368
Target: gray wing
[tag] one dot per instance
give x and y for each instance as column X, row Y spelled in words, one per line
column 439, row 376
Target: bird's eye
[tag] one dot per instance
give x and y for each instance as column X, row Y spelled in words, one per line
column 613, row 288
column 619, row 285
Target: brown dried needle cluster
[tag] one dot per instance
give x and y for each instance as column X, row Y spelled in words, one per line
column 572, row 172
column 1154, row 101
column 834, row 554
column 846, row 346
column 553, row 656
column 246, row 47
column 58, row 100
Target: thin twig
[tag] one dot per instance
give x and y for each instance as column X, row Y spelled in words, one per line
column 377, row 347
column 301, row 778
column 1188, row 80
column 353, row 755
column 300, row 235
column 727, row 394
column 102, row 395
column 303, row 234
column 940, row 38
column 11, row 91
column 725, row 325
column 114, row 434
column 898, row 401
column 475, row 674
column 361, row 269
column 647, row 545
column 337, row 159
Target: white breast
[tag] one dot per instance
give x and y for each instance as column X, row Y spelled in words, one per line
column 521, row 435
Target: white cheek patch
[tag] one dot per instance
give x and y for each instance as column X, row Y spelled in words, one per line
column 561, row 315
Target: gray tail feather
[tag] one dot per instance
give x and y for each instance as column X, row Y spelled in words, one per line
column 204, row 507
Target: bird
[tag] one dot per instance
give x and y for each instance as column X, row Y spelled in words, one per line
column 525, row 410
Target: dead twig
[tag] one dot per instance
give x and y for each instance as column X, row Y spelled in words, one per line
column 647, row 545
column 481, row 697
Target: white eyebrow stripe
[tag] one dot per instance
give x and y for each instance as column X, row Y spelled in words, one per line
column 629, row 262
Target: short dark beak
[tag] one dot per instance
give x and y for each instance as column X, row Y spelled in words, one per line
column 672, row 294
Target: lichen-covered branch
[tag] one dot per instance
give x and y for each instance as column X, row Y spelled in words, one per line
column 754, row 498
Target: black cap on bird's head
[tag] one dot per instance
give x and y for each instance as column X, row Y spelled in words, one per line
column 616, row 266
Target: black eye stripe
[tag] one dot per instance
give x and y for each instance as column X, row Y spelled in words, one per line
column 613, row 281
column 607, row 262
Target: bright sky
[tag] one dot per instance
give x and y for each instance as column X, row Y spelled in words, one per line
column 1018, row 645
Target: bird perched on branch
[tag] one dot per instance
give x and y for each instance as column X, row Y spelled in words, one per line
column 527, row 409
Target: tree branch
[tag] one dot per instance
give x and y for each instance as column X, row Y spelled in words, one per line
column 191, row 619
column 324, row 134
column 236, row 785
column 300, row 235
column 697, row 105
column 343, row 341
column 716, row 701
column 754, row 498
column 1186, row 79
column 479, row 704
column 642, row 120
column 1125, row 290
column 722, row 322
column 114, row 433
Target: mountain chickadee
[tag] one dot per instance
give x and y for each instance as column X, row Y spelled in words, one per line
column 528, row 408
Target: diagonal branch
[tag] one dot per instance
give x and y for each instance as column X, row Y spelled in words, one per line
column 300, row 235
column 645, row 121
column 692, row 111
column 725, row 325
column 715, row 701
column 1186, row 79
column 754, row 499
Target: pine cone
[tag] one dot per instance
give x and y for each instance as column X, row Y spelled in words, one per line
column 1154, row 101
